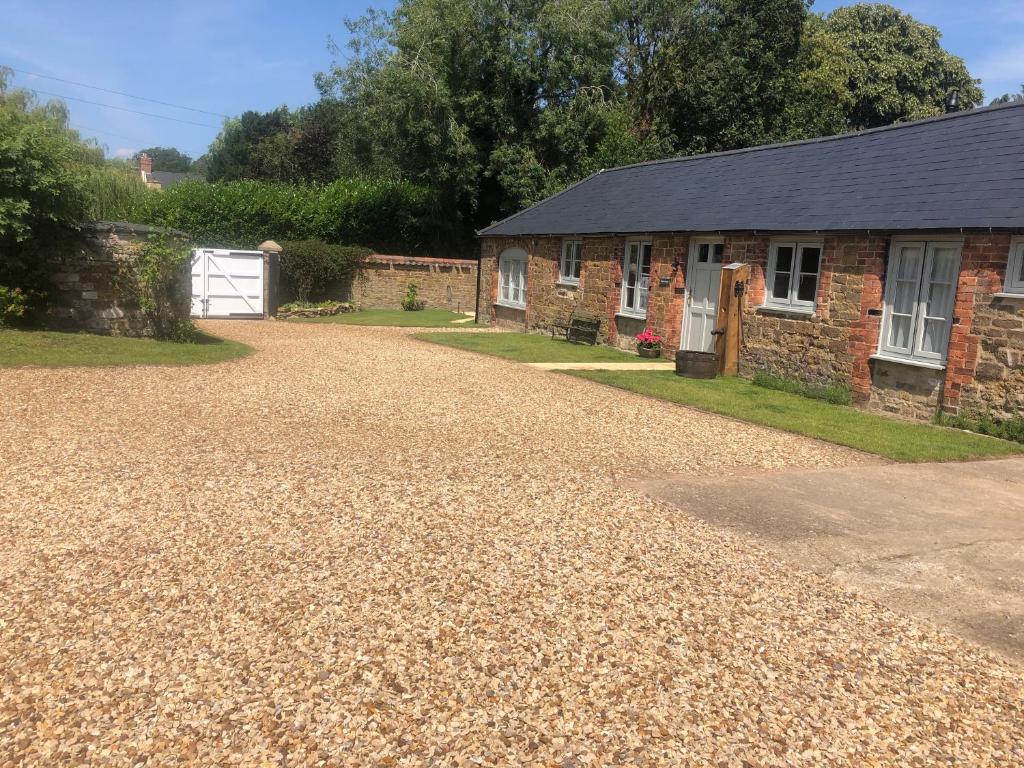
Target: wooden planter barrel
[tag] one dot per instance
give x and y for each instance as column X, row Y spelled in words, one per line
column 697, row 365
column 649, row 352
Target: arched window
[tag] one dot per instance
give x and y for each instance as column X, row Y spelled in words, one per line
column 512, row 278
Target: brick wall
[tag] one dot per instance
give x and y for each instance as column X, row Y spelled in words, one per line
column 446, row 283
column 93, row 282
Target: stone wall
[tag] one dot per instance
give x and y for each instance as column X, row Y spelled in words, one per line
column 987, row 363
column 445, row 283
column 93, row 282
column 833, row 345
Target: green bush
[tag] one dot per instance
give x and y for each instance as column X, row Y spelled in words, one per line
column 159, row 283
column 386, row 215
column 830, row 393
column 13, row 303
column 310, row 267
column 410, row 303
column 986, row 424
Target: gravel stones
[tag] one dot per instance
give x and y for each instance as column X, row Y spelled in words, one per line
column 355, row 548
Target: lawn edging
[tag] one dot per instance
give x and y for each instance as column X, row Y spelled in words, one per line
column 894, row 439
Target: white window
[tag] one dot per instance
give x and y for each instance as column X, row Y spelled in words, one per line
column 569, row 271
column 1015, row 268
column 920, row 290
column 792, row 281
column 512, row 278
column 636, row 278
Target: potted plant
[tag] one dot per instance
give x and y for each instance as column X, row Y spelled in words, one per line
column 648, row 343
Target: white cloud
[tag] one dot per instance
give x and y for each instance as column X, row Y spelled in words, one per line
column 123, row 152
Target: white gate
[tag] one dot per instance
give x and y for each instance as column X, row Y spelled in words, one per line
column 227, row 283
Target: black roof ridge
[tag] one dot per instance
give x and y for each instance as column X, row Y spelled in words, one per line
column 800, row 142
column 493, row 224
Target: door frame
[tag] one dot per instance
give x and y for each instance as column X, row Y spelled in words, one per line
column 695, row 242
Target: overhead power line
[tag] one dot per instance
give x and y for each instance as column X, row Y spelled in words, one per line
column 118, row 93
column 126, row 109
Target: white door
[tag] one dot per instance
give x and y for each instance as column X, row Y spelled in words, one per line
column 227, row 283
column 704, row 279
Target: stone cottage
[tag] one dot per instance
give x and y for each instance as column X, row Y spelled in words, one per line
column 889, row 261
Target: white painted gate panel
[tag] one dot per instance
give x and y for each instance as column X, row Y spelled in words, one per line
column 227, row 283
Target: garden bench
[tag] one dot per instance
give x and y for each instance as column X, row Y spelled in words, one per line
column 578, row 329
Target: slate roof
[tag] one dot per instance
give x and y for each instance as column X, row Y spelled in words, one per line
column 964, row 170
column 168, row 178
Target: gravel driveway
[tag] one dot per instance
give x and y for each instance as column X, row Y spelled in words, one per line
column 354, row 548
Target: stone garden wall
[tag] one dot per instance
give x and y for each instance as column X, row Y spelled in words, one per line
column 92, row 282
column 444, row 283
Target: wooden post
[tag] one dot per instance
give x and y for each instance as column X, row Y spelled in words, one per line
column 730, row 317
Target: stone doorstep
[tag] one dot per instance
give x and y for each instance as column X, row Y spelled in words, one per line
column 654, row 365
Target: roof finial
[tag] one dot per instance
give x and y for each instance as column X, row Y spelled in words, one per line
column 953, row 102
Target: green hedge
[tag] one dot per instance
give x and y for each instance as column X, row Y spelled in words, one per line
column 386, row 215
column 311, row 268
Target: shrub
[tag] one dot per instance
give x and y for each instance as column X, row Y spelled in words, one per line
column 410, row 303
column 985, row 424
column 387, row 215
column 160, row 287
column 310, row 267
column 13, row 303
column 836, row 394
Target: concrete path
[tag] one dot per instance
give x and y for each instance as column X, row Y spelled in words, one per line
column 653, row 365
column 945, row 541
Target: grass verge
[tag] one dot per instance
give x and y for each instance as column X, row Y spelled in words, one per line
column 531, row 348
column 868, row 432
column 395, row 318
column 50, row 349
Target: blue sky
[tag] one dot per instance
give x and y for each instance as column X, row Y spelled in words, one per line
column 226, row 56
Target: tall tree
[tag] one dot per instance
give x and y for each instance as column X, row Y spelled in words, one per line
column 165, row 159
column 896, row 67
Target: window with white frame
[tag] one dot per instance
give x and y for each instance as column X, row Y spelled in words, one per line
column 512, row 278
column 793, row 269
column 920, row 291
column 572, row 253
column 636, row 278
column 1015, row 268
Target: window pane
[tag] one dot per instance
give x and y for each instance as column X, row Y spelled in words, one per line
column 940, row 297
column 702, row 252
column 784, row 258
column 899, row 334
column 910, row 264
column 719, row 252
column 809, row 258
column 944, row 265
column 935, row 336
column 807, row 288
column 780, row 288
column 645, row 267
column 906, row 294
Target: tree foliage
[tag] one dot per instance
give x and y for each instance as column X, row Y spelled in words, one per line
column 43, row 181
column 491, row 105
column 165, row 159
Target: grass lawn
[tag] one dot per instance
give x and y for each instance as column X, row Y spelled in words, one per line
column 58, row 350
column 531, row 348
column 398, row 318
column 891, row 438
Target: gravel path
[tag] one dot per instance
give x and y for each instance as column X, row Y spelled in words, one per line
column 354, row 548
